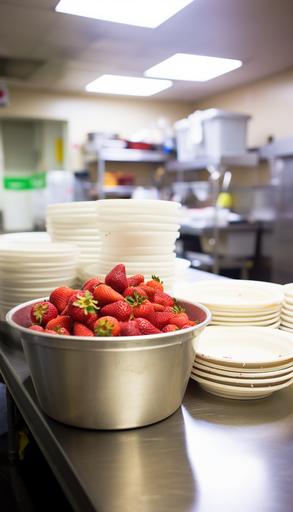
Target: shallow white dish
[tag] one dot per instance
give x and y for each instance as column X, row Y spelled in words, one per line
column 135, row 226
column 236, row 294
column 237, row 393
column 273, row 323
column 235, row 372
column 287, row 308
column 148, row 205
column 287, row 329
column 249, row 346
column 255, row 313
column 247, row 381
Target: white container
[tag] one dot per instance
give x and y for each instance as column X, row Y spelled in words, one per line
column 224, row 132
column 185, row 146
column 17, row 210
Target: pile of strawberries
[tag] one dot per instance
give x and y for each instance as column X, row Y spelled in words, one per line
column 120, row 306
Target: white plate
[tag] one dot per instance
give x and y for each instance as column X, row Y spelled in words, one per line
column 28, row 237
column 243, row 368
column 246, row 373
column 135, row 226
column 255, row 318
column 287, row 318
column 113, row 216
column 287, row 308
column 235, row 294
column 238, row 393
column 246, row 381
column 287, row 329
column 289, row 325
column 265, row 312
column 288, row 302
column 288, row 290
column 137, row 239
column 273, row 323
column 142, row 205
column 251, row 346
column 35, row 249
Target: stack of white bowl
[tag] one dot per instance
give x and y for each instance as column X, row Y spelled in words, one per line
column 238, row 302
column 30, row 270
column 76, row 223
column 141, row 234
column 287, row 309
column 243, row 362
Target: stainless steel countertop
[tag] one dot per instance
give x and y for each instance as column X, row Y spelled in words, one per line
column 212, row 455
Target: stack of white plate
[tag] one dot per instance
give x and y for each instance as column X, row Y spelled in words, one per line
column 141, row 234
column 238, row 302
column 287, row 309
column 76, row 223
column 33, row 269
column 243, row 362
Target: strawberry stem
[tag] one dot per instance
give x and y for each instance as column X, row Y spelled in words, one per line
column 86, row 302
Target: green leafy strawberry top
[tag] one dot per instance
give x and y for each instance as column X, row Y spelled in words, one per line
column 136, row 300
column 86, row 302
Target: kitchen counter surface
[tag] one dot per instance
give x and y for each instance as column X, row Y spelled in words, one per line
column 212, row 455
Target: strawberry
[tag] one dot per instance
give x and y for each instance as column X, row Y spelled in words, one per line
column 158, row 307
column 120, row 310
column 104, row 294
column 163, row 318
column 135, row 280
column 60, row 321
column 145, row 327
column 36, row 328
column 149, row 292
column 80, row 305
column 107, row 326
column 170, row 328
column 61, row 330
column 43, row 312
column 190, row 323
column 163, row 298
column 49, row 331
column 129, row 328
column 81, row 330
column 129, row 291
column 145, row 310
column 60, row 297
column 117, row 278
column 156, row 283
column 179, row 319
column 91, row 283
column 91, row 320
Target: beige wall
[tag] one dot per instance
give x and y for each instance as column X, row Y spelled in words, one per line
column 269, row 101
column 91, row 113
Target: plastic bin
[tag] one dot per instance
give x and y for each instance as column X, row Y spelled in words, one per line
column 224, row 132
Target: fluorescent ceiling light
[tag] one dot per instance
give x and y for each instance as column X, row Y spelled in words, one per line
column 127, row 85
column 142, row 13
column 193, row 68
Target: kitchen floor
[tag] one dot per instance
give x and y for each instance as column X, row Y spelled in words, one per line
column 28, row 486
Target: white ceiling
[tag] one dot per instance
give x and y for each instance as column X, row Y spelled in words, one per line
column 77, row 50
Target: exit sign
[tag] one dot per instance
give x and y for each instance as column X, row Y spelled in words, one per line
column 4, row 98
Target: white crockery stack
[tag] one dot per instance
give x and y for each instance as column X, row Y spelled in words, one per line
column 287, row 309
column 141, row 234
column 238, row 302
column 76, row 223
column 32, row 269
column 243, row 363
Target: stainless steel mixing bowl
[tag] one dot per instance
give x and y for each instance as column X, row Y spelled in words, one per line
column 109, row 383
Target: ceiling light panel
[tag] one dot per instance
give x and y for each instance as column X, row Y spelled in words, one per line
column 142, row 13
column 193, row 68
column 127, row 85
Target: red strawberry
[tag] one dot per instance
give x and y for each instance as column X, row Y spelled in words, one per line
column 80, row 305
column 91, row 283
column 36, row 328
column 58, row 322
column 104, row 294
column 179, row 319
column 170, row 328
column 135, row 280
column 190, row 323
column 156, row 283
column 158, row 307
column 43, row 312
column 81, row 330
column 145, row 310
column 163, row 298
column 149, row 291
column 107, row 326
column 120, row 310
column 117, row 278
column 60, row 297
column 163, row 318
column 129, row 328
column 145, row 327
column 130, row 290
column 62, row 331
column 49, row 331
column 91, row 320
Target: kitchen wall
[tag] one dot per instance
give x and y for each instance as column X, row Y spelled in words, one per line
column 91, row 113
column 269, row 101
